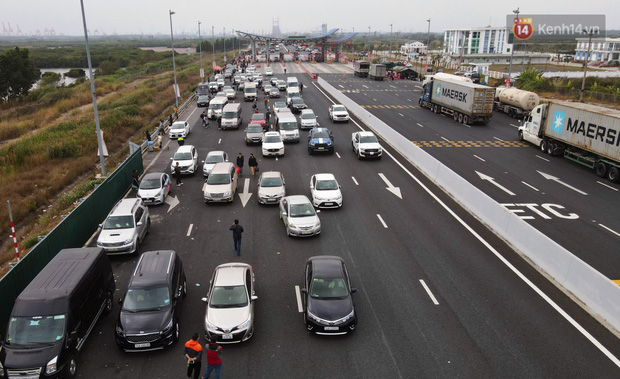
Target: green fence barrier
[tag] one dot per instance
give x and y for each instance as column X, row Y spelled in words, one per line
column 73, row 231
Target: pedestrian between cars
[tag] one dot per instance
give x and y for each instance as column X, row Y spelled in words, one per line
column 253, row 164
column 301, row 88
column 214, row 359
column 135, row 179
column 181, row 141
column 177, row 174
column 237, row 230
column 240, row 160
column 266, row 101
column 267, row 115
column 193, row 353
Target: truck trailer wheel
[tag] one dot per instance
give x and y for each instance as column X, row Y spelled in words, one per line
column 601, row 169
column 551, row 148
column 613, row 174
column 456, row 116
column 465, row 119
column 543, row 146
column 460, row 118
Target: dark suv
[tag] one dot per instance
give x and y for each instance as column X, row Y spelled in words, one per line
column 297, row 104
column 149, row 318
column 320, row 139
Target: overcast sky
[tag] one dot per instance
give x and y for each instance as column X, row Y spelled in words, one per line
column 295, row 17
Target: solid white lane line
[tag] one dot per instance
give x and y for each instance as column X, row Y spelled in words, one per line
column 395, row 94
column 408, row 99
column 428, row 291
column 338, row 155
column 298, row 295
column 355, row 181
column 543, row 158
column 365, row 86
column 608, row 186
column 531, row 186
column 340, row 85
column 219, row 141
column 374, row 99
column 381, row 219
column 499, row 139
column 392, row 86
column 445, row 139
column 189, row 230
column 401, row 115
column 479, row 158
column 611, row 230
column 420, row 125
column 516, row 126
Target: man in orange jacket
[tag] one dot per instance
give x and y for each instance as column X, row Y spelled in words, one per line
column 193, row 353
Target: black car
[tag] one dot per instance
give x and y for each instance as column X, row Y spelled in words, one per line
column 203, row 101
column 328, row 304
column 319, row 140
column 149, row 318
column 297, row 104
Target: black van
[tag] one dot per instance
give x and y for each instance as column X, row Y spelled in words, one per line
column 149, row 317
column 55, row 313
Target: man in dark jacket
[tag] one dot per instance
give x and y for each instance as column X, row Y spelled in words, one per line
column 193, row 353
column 177, row 174
column 214, row 359
column 240, row 160
column 237, row 230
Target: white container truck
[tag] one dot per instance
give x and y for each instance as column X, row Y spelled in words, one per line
column 584, row 133
column 466, row 102
column 377, row 71
column 361, row 68
column 515, row 102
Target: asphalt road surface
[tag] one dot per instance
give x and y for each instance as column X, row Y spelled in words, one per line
column 438, row 294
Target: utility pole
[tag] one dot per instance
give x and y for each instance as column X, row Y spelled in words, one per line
column 213, row 37
column 428, row 40
column 512, row 50
column 224, row 47
column 585, row 69
column 202, row 71
column 174, row 66
column 390, row 41
column 367, row 38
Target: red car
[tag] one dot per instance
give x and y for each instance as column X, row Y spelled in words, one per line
column 258, row 118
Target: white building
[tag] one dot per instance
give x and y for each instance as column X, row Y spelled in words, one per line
column 601, row 49
column 413, row 49
column 487, row 40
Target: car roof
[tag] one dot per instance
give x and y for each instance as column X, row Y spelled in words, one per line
column 185, row 148
column 307, row 111
column 269, row 134
column 271, row 174
column 216, row 152
column 154, row 267
column 365, row 133
column 317, row 129
column 124, row 207
column 325, row 176
column 179, row 122
column 327, row 266
column 297, row 199
column 231, row 274
column 153, row 175
column 221, row 167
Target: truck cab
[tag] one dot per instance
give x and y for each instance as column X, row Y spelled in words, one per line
column 531, row 129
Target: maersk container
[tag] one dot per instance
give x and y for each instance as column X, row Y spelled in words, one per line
column 466, row 102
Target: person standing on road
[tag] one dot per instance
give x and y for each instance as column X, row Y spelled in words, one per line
column 177, row 174
column 237, row 230
column 180, row 141
column 148, row 135
column 240, row 160
column 193, row 354
column 301, row 88
column 267, row 116
column 214, row 359
column 253, row 164
column 266, row 103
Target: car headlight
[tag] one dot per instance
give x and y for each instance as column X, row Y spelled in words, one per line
column 129, row 240
column 313, row 317
column 119, row 329
column 345, row 318
column 329, row 143
column 312, row 143
column 52, row 366
column 245, row 324
column 291, row 225
column 99, row 244
column 227, row 193
column 168, row 328
column 158, row 194
column 210, row 325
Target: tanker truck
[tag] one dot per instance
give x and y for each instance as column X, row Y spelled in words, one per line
column 515, row 102
column 584, row 133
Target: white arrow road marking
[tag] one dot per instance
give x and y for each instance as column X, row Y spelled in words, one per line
column 245, row 196
column 390, row 187
column 298, row 295
column 172, row 202
column 551, row 177
column 492, row 181
column 428, row 291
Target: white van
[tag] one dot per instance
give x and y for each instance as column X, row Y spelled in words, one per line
column 286, row 125
column 221, row 185
column 292, row 81
column 231, row 116
column 249, row 91
column 215, row 107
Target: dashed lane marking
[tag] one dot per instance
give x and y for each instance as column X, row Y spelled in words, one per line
column 543, row 158
column 338, row 155
column 531, row 186
column 428, row 291
column 611, row 230
column 479, row 158
column 607, row 185
column 298, row 295
column 189, row 230
column 382, row 222
column 355, row 181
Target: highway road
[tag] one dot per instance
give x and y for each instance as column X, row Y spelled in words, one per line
column 439, row 295
column 564, row 200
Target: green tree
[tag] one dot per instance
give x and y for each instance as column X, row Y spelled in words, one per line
column 50, row 79
column 17, row 73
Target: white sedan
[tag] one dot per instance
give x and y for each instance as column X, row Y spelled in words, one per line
column 325, row 191
column 154, row 188
column 268, row 71
column 178, row 129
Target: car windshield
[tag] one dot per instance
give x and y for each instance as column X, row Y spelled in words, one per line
column 35, row 330
column 368, row 139
column 302, row 210
column 228, row 297
column 148, row 184
column 183, row 156
column 328, row 288
column 258, row 117
column 326, row 185
column 118, row 222
column 250, row 90
column 214, row 158
column 218, row 179
column 340, row 108
column 146, row 299
column 274, row 90
column 255, row 129
column 275, row 181
column 228, row 88
column 229, row 114
column 203, row 98
column 215, row 105
column 320, row 134
column 308, row 116
column 279, row 105
column 298, row 100
column 178, row 126
column 272, row 139
column 281, row 83
column 291, row 125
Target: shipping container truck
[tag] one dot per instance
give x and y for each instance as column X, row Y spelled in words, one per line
column 361, row 68
column 584, row 133
column 466, row 102
column 515, row 102
column 377, row 71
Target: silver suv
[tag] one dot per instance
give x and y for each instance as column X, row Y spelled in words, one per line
column 125, row 227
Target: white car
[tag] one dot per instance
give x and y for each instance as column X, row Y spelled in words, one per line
column 230, row 92
column 154, row 188
column 230, row 303
column 325, row 191
column 272, row 144
column 338, row 112
column 299, row 216
column 271, row 187
column 268, row 71
column 212, row 158
column 281, row 85
column 187, row 158
column 307, row 119
column 179, row 129
column 366, row 145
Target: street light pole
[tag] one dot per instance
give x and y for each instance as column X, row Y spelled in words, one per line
column 512, row 50
column 213, row 37
column 367, row 43
column 224, row 47
column 174, row 66
column 92, row 90
column 390, row 40
column 202, row 71
column 428, row 40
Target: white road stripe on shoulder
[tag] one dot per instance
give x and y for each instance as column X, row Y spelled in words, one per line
column 428, row 291
column 189, row 230
column 298, row 295
column 382, row 222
